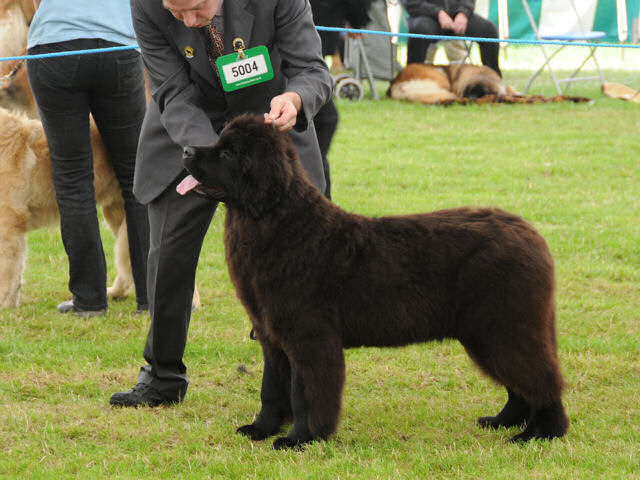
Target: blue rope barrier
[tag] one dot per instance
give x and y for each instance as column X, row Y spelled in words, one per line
column 70, row 52
column 351, row 30
column 478, row 39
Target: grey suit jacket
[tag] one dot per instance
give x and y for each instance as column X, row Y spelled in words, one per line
column 188, row 105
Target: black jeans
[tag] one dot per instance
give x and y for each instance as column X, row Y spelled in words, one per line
column 67, row 89
column 477, row 27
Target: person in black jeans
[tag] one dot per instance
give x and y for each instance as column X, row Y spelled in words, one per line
column 449, row 17
column 109, row 86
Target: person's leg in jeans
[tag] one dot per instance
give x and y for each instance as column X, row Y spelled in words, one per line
column 489, row 51
column 58, row 85
column 118, row 105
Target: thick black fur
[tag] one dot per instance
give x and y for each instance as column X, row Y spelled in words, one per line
column 315, row 279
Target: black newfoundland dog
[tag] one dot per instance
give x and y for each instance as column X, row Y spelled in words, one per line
column 315, row 279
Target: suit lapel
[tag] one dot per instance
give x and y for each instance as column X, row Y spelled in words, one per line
column 193, row 38
column 238, row 23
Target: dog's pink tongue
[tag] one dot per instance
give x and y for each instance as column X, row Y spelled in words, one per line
column 186, row 185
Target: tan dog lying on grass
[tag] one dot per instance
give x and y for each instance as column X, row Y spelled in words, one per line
column 463, row 84
column 437, row 84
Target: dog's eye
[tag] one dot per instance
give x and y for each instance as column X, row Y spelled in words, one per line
column 226, row 156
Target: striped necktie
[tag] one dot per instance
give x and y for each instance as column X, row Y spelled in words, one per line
column 215, row 45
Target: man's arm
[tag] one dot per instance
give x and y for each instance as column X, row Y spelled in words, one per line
column 421, row 8
column 299, row 45
column 465, row 6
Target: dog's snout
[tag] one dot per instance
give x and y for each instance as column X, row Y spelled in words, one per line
column 189, row 152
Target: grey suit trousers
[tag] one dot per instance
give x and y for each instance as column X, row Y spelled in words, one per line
column 178, row 226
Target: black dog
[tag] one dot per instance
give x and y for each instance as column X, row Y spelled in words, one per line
column 315, row 279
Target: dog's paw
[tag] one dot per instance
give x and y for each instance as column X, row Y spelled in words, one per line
column 528, row 434
column 488, row 422
column 501, row 422
column 253, row 432
column 286, row 443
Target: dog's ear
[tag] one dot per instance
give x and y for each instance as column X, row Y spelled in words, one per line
column 262, row 189
column 266, row 174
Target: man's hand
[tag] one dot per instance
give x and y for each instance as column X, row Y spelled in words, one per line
column 460, row 24
column 445, row 21
column 284, row 110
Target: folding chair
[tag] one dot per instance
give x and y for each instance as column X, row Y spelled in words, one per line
column 583, row 35
column 370, row 57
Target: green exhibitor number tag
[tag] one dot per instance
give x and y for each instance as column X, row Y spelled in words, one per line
column 240, row 70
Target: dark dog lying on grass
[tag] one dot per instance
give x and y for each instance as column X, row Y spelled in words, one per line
column 315, row 279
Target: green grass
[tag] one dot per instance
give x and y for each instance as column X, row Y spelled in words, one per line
column 573, row 170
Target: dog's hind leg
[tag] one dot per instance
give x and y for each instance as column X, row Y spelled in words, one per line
column 13, row 247
column 548, row 418
column 529, row 369
column 545, row 423
column 274, row 396
column 515, row 413
column 114, row 215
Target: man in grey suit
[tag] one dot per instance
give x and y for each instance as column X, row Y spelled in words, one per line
column 180, row 40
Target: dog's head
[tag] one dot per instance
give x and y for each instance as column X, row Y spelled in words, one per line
column 15, row 92
column 250, row 167
column 475, row 81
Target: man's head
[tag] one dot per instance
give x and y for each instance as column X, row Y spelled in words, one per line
column 193, row 13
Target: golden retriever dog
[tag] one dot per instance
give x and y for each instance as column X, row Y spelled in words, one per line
column 442, row 84
column 15, row 18
column 28, row 201
column 315, row 280
column 15, row 95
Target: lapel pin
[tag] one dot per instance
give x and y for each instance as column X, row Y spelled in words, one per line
column 238, row 46
column 188, row 52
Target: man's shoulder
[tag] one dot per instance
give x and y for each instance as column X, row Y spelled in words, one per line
column 152, row 8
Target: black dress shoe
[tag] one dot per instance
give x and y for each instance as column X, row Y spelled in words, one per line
column 69, row 307
column 142, row 395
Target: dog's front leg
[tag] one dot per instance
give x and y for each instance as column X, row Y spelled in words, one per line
column 300, row 433
column 13, row 247
column 274, row 396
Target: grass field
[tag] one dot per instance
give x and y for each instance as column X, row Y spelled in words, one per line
column 573, row 170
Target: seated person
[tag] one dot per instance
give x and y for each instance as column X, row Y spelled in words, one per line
column 449, row 17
